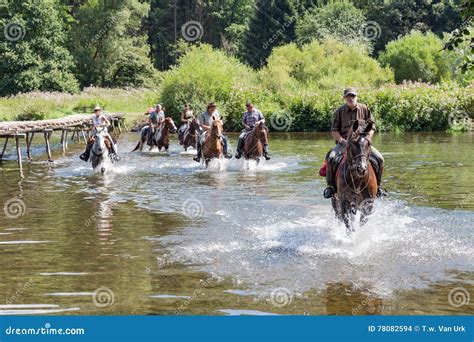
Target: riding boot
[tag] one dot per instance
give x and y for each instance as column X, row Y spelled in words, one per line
column 380, row 190
column 330, row 190
column 198, row 155
column 85, row 156
column 224, row 145
column 265, row 152
column 238, row 155
column 150, row 136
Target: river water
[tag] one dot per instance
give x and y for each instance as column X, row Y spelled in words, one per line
column 160, row 234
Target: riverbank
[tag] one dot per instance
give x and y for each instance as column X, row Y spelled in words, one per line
column 406, row 107
column 42, row 106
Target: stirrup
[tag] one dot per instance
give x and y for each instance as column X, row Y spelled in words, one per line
column 328, row 192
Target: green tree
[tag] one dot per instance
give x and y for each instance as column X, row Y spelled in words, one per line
column 33, row 56
column 417, row 57
column 396, row 18
column 340, row 20
column 321, row 65
column 272, row 24
column 109, row 44
column 222, row 24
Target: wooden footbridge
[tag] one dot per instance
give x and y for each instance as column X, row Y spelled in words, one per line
column 79, row 125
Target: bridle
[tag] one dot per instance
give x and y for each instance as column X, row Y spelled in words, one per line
column 351, row 167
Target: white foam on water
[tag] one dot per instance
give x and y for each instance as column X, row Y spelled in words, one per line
column 400, row 247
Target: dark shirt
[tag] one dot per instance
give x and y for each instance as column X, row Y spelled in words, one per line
column 344, row 117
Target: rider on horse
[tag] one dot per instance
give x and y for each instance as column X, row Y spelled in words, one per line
column 155, row 120
column 99, row 121
column 186, row 115
column 206, row 123
column 250, row 118
column 342, row 122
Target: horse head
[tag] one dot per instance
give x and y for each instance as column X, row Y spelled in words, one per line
column 260, row 131
column 169, row 124
column 99, row 147
column 216, row 127
column 358, row 147
column 194, row 125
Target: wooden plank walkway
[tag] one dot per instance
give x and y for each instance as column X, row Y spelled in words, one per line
column 79, row 124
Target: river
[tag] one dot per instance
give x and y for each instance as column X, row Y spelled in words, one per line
column 160, row 234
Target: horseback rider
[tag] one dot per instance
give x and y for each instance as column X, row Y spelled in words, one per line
column 206, row 123
column 100, row 123
column 250, row 118
column 186, row 116
column 342, row 122
column 157, row 116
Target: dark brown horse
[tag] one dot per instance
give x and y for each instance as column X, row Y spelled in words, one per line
column 191, row 134
column 160, row 137
column 254, row 142
column 355, row 176
column 212, row 145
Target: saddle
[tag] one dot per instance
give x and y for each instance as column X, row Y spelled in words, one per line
column 107, row 141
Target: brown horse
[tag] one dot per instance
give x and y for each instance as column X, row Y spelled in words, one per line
column 254, row 142
column 191, row 134
column 212, row 145
column 160, row 137
column 355, row 176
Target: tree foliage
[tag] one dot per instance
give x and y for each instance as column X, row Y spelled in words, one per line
column 417, row 57
column 32, row 50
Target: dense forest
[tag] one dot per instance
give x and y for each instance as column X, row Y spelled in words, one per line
column 286, row 54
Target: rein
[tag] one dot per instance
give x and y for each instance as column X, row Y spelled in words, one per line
column 351, row 167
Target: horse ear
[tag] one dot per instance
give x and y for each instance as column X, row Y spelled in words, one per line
column 355, row 126
column 369, row 127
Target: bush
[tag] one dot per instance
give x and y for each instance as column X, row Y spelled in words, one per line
column 326, row 65
column 418, row 57
column 204, row 75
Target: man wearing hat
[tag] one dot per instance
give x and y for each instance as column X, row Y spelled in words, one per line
column 206, row 122
column 99, row 121
column 250, row 119
column 342, row 122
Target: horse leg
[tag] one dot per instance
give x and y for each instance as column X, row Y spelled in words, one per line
column 366, row 207
column 257, row 160
column 347, row 216
column 335, row 207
